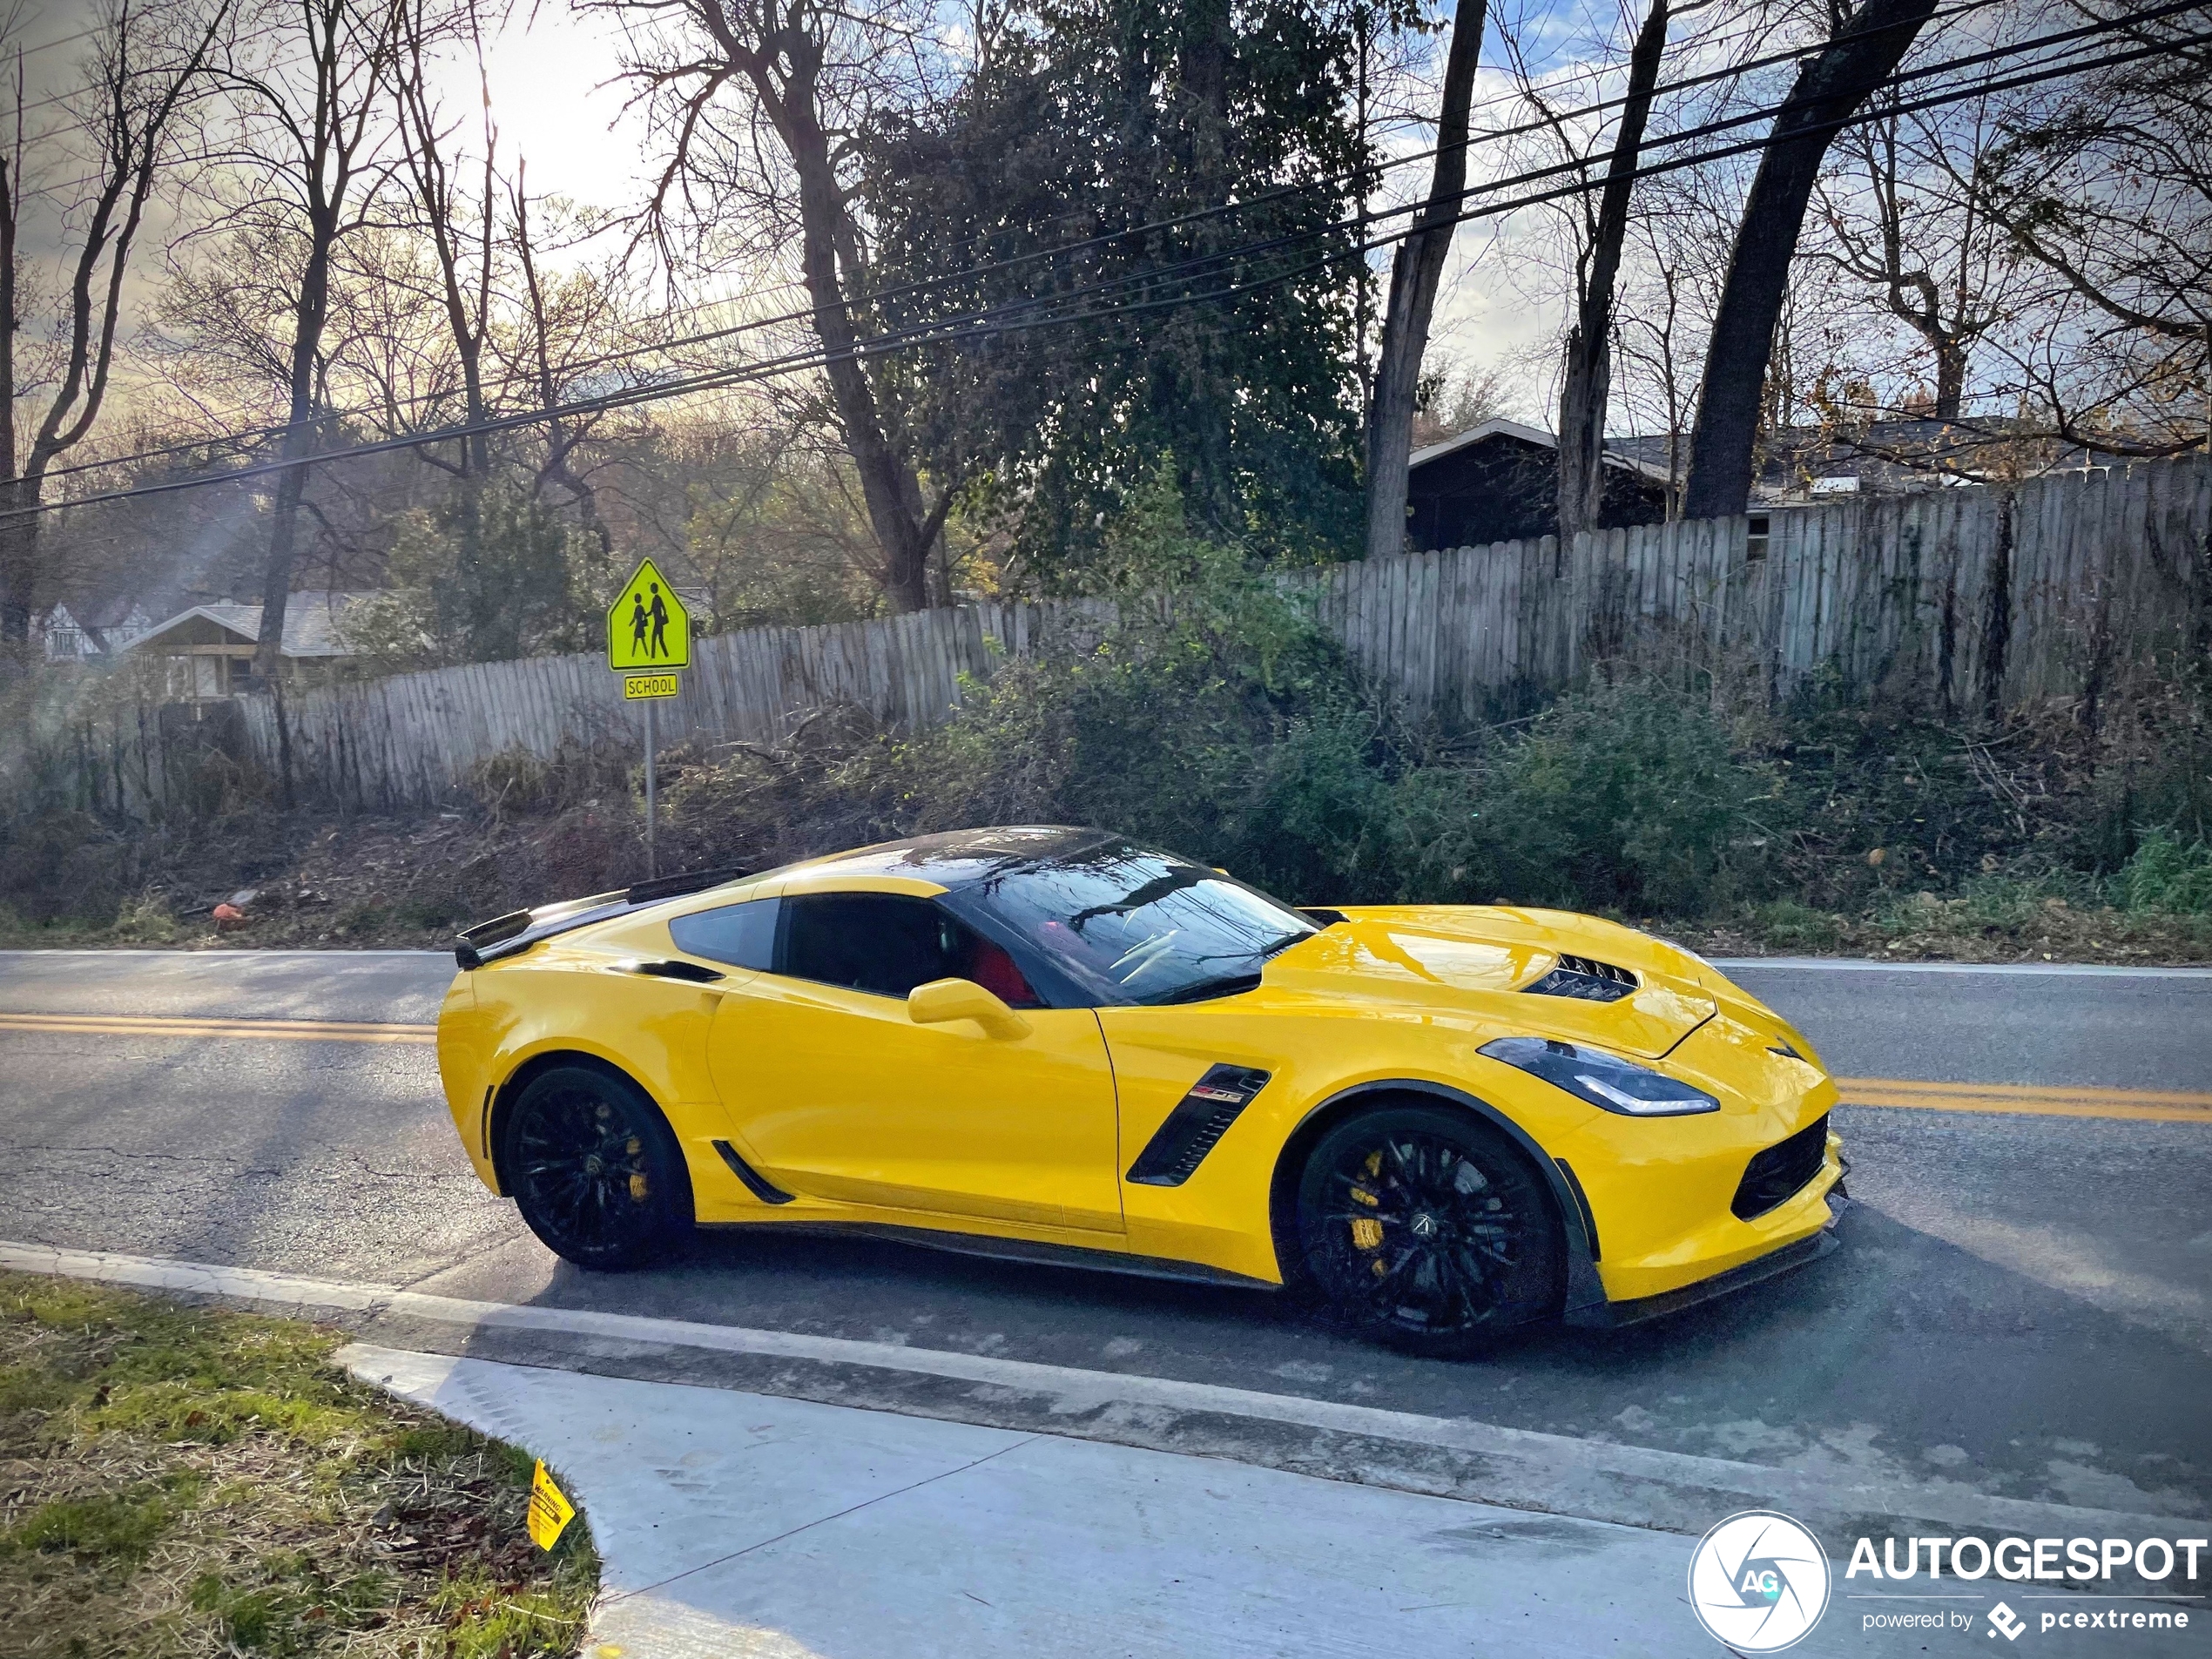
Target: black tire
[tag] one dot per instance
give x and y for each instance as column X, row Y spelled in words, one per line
column 595, row 1172
column 1425, row 1228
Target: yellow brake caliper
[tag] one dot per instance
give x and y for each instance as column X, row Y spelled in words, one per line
column 638, row 1186
column 1366, row 1230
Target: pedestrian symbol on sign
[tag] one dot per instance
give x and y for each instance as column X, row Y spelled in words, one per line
column 648, row 625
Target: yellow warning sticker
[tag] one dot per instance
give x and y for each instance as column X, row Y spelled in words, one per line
column 550, row 1511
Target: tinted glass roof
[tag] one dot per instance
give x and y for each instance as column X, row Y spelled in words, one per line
column 960, row 856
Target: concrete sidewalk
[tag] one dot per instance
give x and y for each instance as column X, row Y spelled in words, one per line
column 735, row 1524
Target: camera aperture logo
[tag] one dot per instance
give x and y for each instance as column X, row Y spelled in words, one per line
column 1758, row 1582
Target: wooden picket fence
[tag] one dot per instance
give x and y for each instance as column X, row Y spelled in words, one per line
column 1967, row 599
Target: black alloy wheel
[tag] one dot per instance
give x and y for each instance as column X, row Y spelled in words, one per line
column 1425, row 1228
column 594, row 1169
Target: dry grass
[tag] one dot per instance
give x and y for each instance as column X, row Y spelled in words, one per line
column 179, row 1482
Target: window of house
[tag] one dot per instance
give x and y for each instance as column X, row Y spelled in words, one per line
column 1755, row 539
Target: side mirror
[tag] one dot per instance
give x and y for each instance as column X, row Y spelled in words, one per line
column 945, row 1000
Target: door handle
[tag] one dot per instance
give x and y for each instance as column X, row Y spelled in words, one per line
column 693, row 973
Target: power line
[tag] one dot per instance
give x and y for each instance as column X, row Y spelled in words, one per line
column 1001, row 319
column 998, row 321
column 1195, row 216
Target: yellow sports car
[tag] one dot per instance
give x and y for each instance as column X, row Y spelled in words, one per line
column 1055, row 1044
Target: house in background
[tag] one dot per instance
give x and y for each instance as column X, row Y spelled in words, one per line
column 207, row 653
column 89, row 629
column 1499, row 481
column 1807, row 465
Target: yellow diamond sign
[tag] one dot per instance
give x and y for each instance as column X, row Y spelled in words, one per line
column 648, row 625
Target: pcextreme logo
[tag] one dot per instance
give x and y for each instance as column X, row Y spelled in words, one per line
column 1758, row 1582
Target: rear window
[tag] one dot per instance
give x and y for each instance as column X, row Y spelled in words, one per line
column 744, row 935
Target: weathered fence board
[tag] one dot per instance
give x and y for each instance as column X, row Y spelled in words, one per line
column 2063, row 588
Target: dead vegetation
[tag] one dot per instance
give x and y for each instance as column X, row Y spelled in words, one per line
column 179, row 1482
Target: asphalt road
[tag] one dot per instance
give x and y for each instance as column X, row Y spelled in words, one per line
column 2024, row 1305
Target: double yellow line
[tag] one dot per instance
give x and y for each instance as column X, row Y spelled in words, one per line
column 2151, row 1105
column 132, row 1025
column 2147, row 1105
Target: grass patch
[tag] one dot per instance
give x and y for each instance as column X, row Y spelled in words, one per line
column 184, row 1481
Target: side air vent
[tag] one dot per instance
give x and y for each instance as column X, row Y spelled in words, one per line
column 1779, row 1174
column 1198, row 1122
column 1589, row 980
column 755, row 1182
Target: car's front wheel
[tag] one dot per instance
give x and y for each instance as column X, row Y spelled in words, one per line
column 1425, row 1228
column 595, row 1170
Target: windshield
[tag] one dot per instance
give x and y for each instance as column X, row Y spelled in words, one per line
column 1129, row 925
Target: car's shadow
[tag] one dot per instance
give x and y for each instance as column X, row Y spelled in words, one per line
column 1898, row 1349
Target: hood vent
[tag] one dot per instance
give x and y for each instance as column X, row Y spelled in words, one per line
column 1585, row 980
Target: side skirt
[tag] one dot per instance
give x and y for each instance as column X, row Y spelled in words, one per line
column 1030, row 1252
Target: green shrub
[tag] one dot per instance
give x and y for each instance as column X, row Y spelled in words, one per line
column 2169, row 875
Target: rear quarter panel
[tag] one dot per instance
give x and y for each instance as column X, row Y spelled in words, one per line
column 576, row 998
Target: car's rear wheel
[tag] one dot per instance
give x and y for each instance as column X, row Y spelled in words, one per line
column 1423, row 1227
column 595, row 1170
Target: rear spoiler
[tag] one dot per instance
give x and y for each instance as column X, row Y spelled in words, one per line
column 517, row 931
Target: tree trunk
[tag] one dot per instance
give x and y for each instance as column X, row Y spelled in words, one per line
column 887, row 482
column 1203, row 91
column 1415, row 270
column 19, row 535
column 299, row 440
column 1950, row 378
column 18, row 558
column 1587, row 385
column 1863, row 53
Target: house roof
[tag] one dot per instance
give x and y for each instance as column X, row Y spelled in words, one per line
column 1913, row 452
column 314, row 624
column 1500, row 428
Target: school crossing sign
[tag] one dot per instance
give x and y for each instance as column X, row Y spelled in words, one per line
column 647, row 625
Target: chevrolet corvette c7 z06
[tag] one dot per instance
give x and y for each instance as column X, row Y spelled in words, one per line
column 1054, row 1043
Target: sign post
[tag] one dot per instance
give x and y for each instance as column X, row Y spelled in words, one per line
column 649, row 644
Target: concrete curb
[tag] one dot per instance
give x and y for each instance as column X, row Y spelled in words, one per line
column 1450, row 1457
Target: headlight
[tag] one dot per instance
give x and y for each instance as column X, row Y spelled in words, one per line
column 1603, row 1079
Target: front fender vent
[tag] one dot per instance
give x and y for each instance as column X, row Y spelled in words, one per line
column 1586, row 980
column 1200, row 1120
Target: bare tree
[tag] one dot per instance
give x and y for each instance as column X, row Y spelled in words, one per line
column 805, row 75
column 1415, row 271
column 1863, row 51
column 1678, row 242
column 584, row 311
column 1586, row 384
column 147, row 64
column 1907, row 221
column 2106, row 189
column 303, row 152
column 464, row 251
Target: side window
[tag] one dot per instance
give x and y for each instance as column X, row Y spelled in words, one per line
column 885, row 944
column 743, row 935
